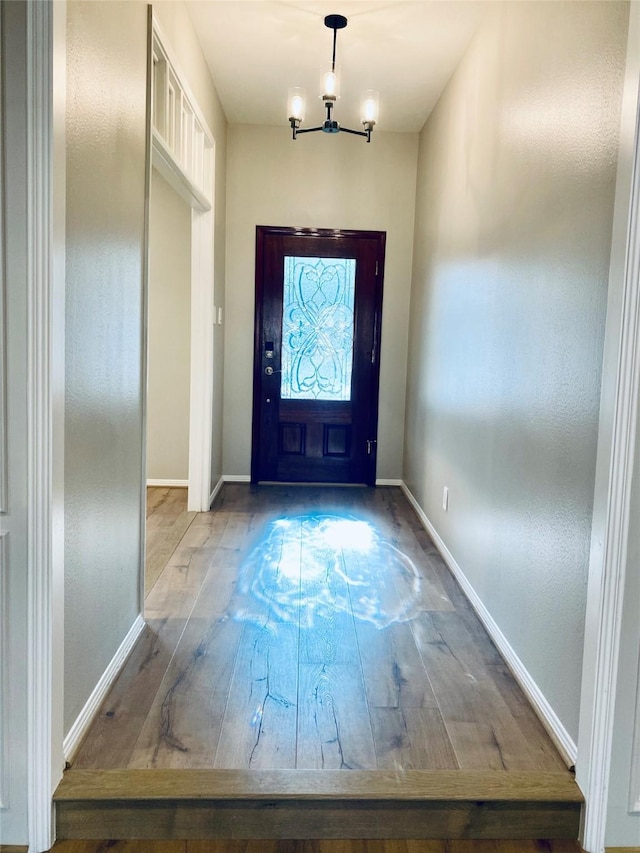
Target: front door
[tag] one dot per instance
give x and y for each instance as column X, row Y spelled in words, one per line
column 317, row 355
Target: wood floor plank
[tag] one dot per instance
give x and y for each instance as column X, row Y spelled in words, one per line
column 177, row 588
column 183, row 725
column 480, row 725
column 327, row 631
column 334, row 728
column 112, row 736
column 258, row 730
column 259, row 724
column 419, row 589
column 411, row 738
column 458, row 691
column 156, row 496
column 161, row 545
column 473, row 648
column 418, row 785
column 138, row 845
column 315, row 846
column 534, row 732
column 394, row 673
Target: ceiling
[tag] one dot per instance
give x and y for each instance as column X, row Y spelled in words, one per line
column 257, row 49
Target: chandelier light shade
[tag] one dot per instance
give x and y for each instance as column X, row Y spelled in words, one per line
column 330, row 92
column 330, row 84
column 369, row 107
column 295, row 104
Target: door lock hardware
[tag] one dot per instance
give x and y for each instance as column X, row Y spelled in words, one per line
column 270, row 371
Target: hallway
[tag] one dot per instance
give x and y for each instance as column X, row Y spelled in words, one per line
column 309, row 628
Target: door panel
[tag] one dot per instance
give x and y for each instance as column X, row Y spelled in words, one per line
column 316, row 358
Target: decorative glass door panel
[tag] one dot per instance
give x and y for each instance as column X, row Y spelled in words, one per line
column 316, row 355
column 317, row 328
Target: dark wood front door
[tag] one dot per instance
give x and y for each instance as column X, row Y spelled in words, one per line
column 317, row 355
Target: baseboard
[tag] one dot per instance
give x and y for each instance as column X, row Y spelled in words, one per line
column 79, row 729
column 245, row 478
column 169, row 484
column 548, row 717
column 622, row 850
column 216, row 491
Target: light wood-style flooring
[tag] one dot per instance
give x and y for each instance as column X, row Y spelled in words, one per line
column 309, row 628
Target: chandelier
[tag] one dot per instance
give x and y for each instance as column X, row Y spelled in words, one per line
column 330, row 93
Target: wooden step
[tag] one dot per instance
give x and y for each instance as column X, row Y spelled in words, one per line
column 302, row 804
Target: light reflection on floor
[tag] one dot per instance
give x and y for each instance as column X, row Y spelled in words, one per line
column 313, row 566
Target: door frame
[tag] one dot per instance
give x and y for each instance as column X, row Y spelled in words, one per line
column 45, row 55
column 39, row 125
column 264, row 231
column 618, row 430
column 201, row 248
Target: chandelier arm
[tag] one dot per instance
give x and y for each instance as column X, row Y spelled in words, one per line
column 309, row 129
column 366, row 133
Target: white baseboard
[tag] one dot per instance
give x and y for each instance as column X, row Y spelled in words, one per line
column 79, row 729
column 548, row 717
column 245, row 478
column 216, row 491
column 169, row 484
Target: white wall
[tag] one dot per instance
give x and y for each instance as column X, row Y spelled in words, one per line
column 169, row 333
column 514, row 207
column 106, row 65
column 323, row 182
column 183, row 40
column 13, row 429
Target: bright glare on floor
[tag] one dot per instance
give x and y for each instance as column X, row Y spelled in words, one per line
column 306, row 568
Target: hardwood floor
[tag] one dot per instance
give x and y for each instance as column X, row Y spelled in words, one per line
column 317, row 846
column 311, row 669
column 167, row 522
column 309, row 628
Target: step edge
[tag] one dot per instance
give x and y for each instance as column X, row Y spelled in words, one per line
column 323, row 785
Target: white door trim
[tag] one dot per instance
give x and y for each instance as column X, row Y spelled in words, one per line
column 201, row 396
column 201, row 199
column 616, row 444
column 45, row 45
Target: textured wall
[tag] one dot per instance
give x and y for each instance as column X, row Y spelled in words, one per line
column 514, row 206
column 106, row 64
column 169, row 333
column 105, row 247
column 183, row 40
column 325, row 183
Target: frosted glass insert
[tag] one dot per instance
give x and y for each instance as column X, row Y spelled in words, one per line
column 317, row 328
